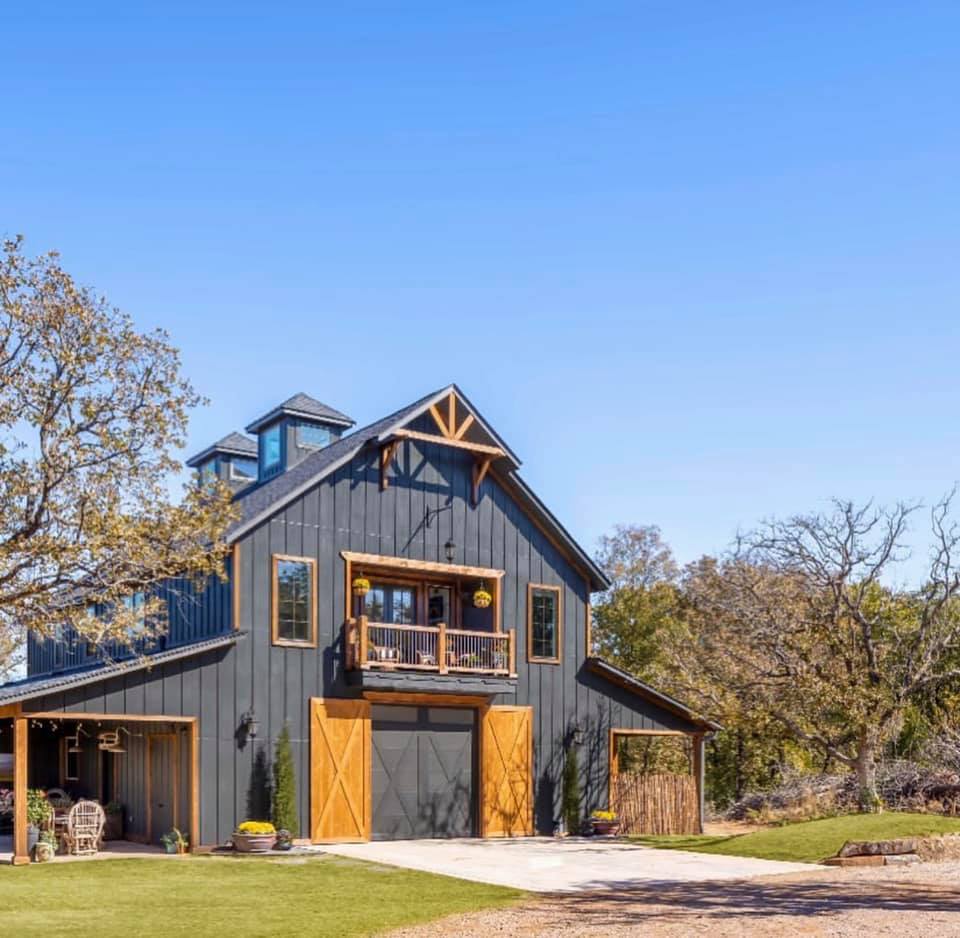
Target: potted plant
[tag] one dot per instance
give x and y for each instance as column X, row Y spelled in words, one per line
column 113, row 826
column 284, row 840
column 39, row 814
column 604, row 823
column 361, row 586
column 46, row 848
column 175, row 842
column 254, row 837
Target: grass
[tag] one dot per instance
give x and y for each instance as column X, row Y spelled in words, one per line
column 810, row 841
column 241, row 898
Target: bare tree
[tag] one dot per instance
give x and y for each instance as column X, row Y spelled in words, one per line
column 803, row 624
column 90, row 411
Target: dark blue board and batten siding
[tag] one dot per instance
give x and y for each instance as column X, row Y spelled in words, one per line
column 347, row 511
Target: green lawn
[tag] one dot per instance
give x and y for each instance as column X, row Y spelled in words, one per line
column 225, row 896
column 811, row 841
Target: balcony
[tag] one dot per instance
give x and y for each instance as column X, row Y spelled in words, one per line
column 381, row 646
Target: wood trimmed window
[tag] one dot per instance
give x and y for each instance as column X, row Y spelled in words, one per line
column 544, row 623
column 69, row 761
column 294, row 601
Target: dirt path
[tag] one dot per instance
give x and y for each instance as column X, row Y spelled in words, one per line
column 922, row 901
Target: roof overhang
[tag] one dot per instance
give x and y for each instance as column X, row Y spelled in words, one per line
column 633, row 684
column 282, row 411
column 21, row 691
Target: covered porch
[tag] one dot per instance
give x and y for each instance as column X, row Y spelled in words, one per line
column 142, row 771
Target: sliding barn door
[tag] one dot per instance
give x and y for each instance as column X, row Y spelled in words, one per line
column 507, row 772
column 339, row 770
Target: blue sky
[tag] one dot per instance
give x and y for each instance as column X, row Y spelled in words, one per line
column 696, row 262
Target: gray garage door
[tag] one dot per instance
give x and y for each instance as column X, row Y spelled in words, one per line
column 422, row 772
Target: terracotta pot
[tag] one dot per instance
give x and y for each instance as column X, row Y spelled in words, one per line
column 604, row 828
column 254, row 843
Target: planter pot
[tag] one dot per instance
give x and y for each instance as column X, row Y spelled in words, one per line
column 113, row 827
column 605, row 828
column 43, row 852
column 33, row 837
column 254, row 843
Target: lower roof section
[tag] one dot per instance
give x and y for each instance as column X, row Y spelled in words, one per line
column 20, row 691
column 632, row 683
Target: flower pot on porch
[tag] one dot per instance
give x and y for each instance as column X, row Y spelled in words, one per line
column 604, row 828
column 254, row 843
column 33, row 837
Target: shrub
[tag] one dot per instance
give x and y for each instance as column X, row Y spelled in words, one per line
column 285, row 814
column 571, row 792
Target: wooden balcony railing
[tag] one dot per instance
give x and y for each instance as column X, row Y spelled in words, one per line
column 381, row 645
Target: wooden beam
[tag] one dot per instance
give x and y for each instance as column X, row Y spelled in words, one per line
column 421, row 566
column 438, row 419
column 493, row 451
column 467, row 423
column 194, row 737
column 63, row 715
column 387, row 452
column 698, row 772
column 451, row 412
column 235, row 586
column 21, row 742
column 426, row 700
column 480, row 469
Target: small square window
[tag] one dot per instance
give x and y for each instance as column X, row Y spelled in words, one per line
column 311, row 436
column 243, row 470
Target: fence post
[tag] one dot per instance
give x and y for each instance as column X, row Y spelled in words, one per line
column 698, row 774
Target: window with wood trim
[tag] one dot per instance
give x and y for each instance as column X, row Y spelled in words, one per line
column 294, row 600
column 544, row 631
column 69, row 759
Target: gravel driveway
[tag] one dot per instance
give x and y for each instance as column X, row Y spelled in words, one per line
column 921, row 901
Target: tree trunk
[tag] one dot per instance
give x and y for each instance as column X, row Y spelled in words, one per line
column 866, row 769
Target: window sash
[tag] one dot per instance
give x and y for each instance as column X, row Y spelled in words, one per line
column 544, row 623
column 294, row 603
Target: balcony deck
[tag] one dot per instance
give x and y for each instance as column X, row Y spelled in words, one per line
column 437, row 649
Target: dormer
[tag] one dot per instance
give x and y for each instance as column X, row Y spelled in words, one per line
column 232, row 460
column 293, row 430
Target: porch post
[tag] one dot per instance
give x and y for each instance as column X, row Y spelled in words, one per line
column 698, row 775
column 194, row 737
column 20, row 762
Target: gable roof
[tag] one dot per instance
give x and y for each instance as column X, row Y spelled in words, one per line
column 233, row 444
column 259, row 501
column 302, row 405
column 31, row 687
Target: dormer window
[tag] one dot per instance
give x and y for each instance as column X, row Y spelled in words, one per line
column 312, row 436
column 208, row 474
column 270, row 450
column 243, row 470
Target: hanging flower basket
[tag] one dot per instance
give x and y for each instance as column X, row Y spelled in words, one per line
column 482, row 597
column 361, row 586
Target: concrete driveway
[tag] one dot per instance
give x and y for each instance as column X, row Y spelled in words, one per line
column 544, row 864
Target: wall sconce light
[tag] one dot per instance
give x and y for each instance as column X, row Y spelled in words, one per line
column 450, row 550
column 250, row 723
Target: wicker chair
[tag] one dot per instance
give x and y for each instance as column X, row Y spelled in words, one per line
column 84, row 828
column 59, row 799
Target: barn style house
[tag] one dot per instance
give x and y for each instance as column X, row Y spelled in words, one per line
column 397, row 597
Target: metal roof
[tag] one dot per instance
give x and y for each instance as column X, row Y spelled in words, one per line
column 18, row 691
column 302, row 405
column 233, row 444
column 631, row 682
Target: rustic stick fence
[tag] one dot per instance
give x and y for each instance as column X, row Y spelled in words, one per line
column 656, row 804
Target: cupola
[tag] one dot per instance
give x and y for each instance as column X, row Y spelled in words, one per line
column 293, row 430
column 232, row 460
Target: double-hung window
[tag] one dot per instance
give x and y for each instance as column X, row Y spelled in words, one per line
column 294, row 601
column 544, row 638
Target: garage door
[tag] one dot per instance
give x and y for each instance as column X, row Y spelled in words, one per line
column 423, row 770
